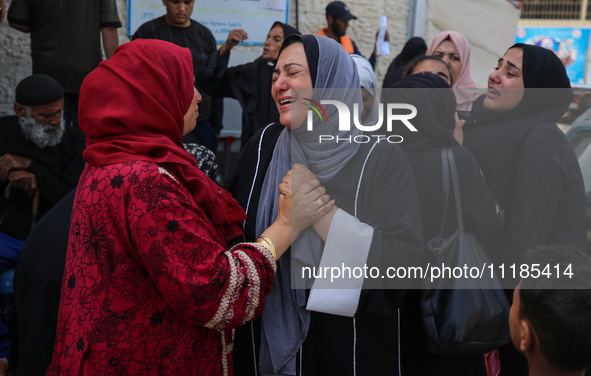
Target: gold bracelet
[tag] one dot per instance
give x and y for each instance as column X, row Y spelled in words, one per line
column 267, row 243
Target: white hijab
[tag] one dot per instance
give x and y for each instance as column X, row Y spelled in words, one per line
column 369, row 83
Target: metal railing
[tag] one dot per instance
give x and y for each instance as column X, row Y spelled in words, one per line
column 556, row 9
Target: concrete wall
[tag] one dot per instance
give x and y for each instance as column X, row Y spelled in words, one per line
column 15, row 63
column 363, row 30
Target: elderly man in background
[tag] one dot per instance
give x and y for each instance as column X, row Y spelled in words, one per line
column 40, row 162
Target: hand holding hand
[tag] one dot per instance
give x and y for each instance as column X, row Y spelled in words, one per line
column 309, row 198
column 284, row 214
column 9, row 162
column 23, row 180
column 302, row 189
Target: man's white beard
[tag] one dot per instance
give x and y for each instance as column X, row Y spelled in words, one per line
column 42, row 135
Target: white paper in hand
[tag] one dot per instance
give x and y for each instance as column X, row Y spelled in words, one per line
column 382, row 46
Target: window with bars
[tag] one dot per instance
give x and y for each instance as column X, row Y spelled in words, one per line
column 556, row 9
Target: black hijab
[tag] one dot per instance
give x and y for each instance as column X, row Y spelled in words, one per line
column 414, row 48
column 537, row 62
column 311, row 50
column 495, row 138
column 251, row 85
column 436, row 105
column 548, row 91
column 548, row 88
column 287, row 30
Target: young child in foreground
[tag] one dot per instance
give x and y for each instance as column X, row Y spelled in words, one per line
column 550, row 319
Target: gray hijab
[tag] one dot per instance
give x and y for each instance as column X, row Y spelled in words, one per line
column 285, row 321
column 335, row 76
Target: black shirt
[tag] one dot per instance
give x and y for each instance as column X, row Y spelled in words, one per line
column 57, row 170
column 207, row 62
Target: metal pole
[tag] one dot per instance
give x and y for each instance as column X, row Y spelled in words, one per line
column 410, row 28
column 417, row 19
column 584, row 9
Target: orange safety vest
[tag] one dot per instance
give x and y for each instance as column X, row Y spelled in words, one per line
column 346, row 42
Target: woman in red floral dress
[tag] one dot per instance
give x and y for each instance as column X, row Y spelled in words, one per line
column 150, row 287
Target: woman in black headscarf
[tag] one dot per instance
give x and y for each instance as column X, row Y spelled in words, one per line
column 250, row 84
column 526, row 160
column 375, row 222
column 414, row 48
column 528, row 164
column 436, row 105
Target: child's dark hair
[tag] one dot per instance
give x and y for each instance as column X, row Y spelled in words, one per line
column 414, row 62
column 559, row 310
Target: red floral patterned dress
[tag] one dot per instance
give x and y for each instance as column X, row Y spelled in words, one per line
column 149, row 286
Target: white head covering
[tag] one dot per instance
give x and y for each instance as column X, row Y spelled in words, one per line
column 369, row 83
